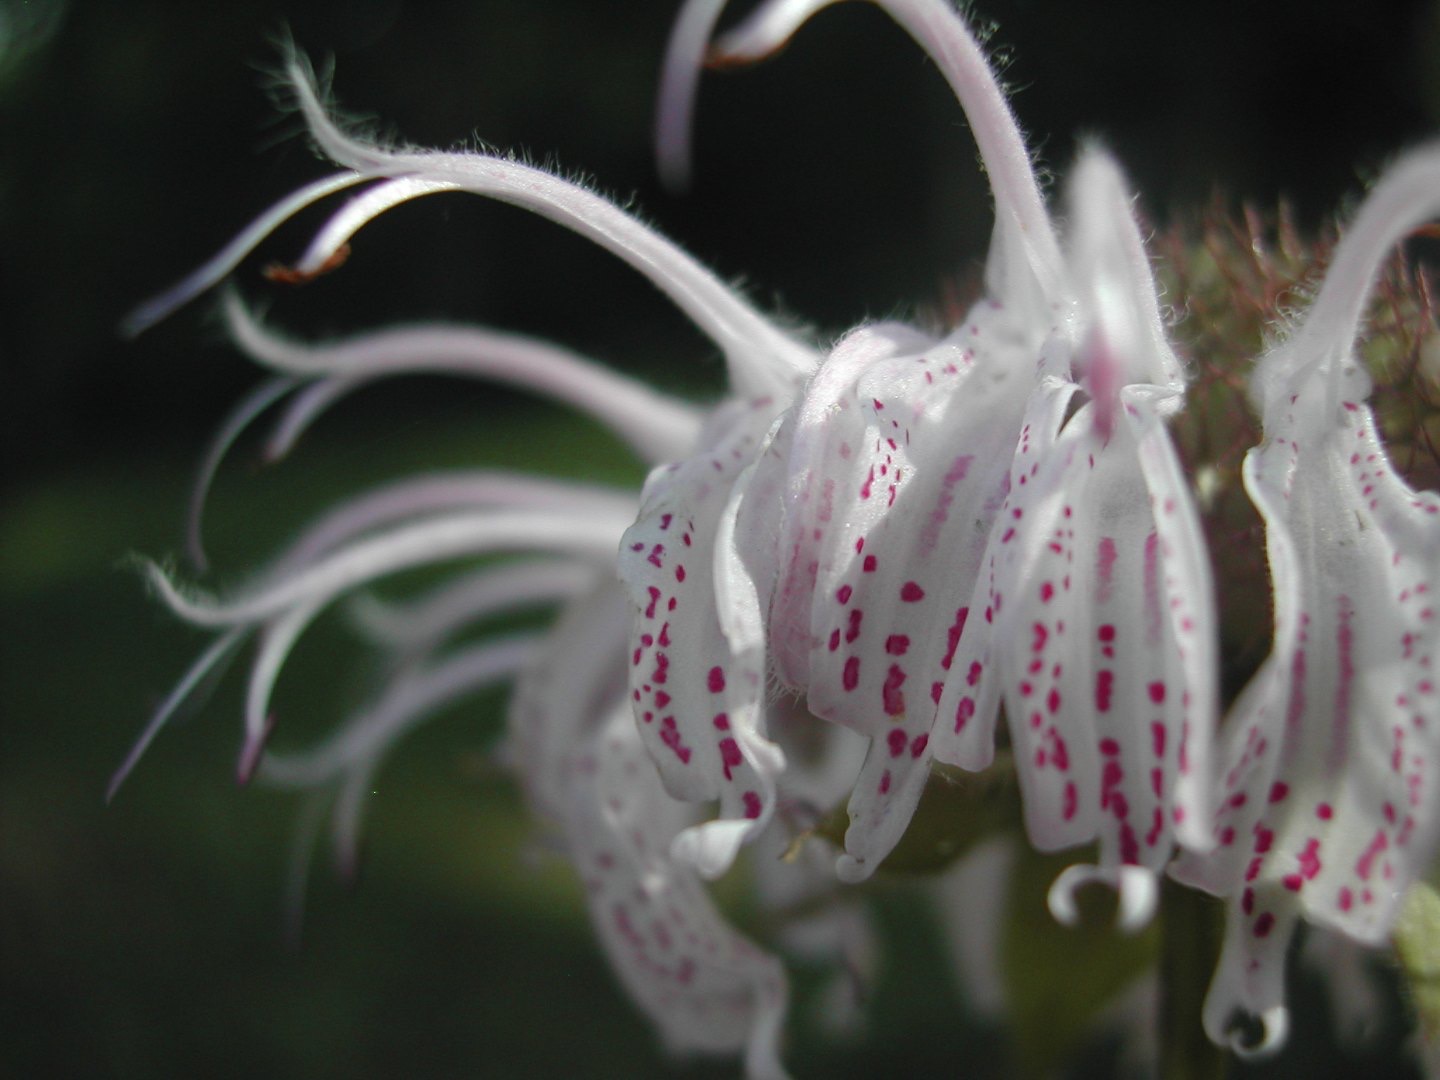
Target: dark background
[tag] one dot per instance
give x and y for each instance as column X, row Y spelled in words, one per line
column 838, row 181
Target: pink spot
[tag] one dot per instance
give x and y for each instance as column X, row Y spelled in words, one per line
column 680, row 573
column 752, row 805
column 834, row 639
column 1047, row 591
column 1278, row 791
column 1105, row 572
column 911, row 592
column 897, row 644
column 963, row 712
column 1264, row 924
column 1106, row 633
column 1041, row 636
column 917, row 747
column 1157, row 738
column 1346, row 899
column 850, row 676
column 1109, row 747
column 843, row 594
column 715, row 680
column 1157, row 692
column 1310, row 859
column 1071, row 802
column 885, row 782
column 1324, row 811
column 1104, row 687
column 896, row 741
column 730, row 756
column 868, row 566
column 890, row 695
column 656, row 555
column 953, row 636
column 721, row 722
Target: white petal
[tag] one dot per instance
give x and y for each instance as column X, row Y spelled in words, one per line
column 695, row 696
column 706, row 987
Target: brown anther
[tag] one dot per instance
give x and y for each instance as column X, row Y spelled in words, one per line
column 289, row 275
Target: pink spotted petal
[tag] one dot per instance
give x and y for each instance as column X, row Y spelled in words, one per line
column 969, row 703
column 1097, row 585
column 1328, row 794
column 695, row 699
column 897, row 536
column 704, row 986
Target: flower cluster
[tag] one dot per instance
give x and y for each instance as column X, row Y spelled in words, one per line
column 839, row 579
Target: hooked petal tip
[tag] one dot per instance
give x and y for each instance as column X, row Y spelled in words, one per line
column 1274, row 1024
column 1139, row 894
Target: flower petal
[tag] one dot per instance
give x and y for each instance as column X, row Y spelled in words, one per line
column 696, row 696
column 706, row 987
column 1328, row 802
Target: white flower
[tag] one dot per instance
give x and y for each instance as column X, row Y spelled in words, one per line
column 1327, row 803
column 706, row 987
column 946, row 539
column 907, row 535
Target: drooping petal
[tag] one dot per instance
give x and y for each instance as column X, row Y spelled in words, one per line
column 695, row 694
column 706, row 987
column 1328, row 799
column 578, row 752
column 1097, row 587
column 898, row 465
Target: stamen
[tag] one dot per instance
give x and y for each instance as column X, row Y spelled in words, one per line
column 428, row 542
column 420, row 624
column 1407, row 197
column 661, row 428
column 1024, row 236
column 407, row 701
column 679, row 80
column 210, row 660
column 761, row 357
column 228, row 257
column 239, row 418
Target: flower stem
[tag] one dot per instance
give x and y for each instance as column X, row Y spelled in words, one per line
column 1190, row 945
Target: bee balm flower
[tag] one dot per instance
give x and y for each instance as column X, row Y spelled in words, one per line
column 1327, row 806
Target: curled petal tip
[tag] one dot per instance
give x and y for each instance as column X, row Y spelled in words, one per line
column 252, row 751
column 710, row 848
column 1274, row 1025
column 852, row 870
column 1138, row 890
